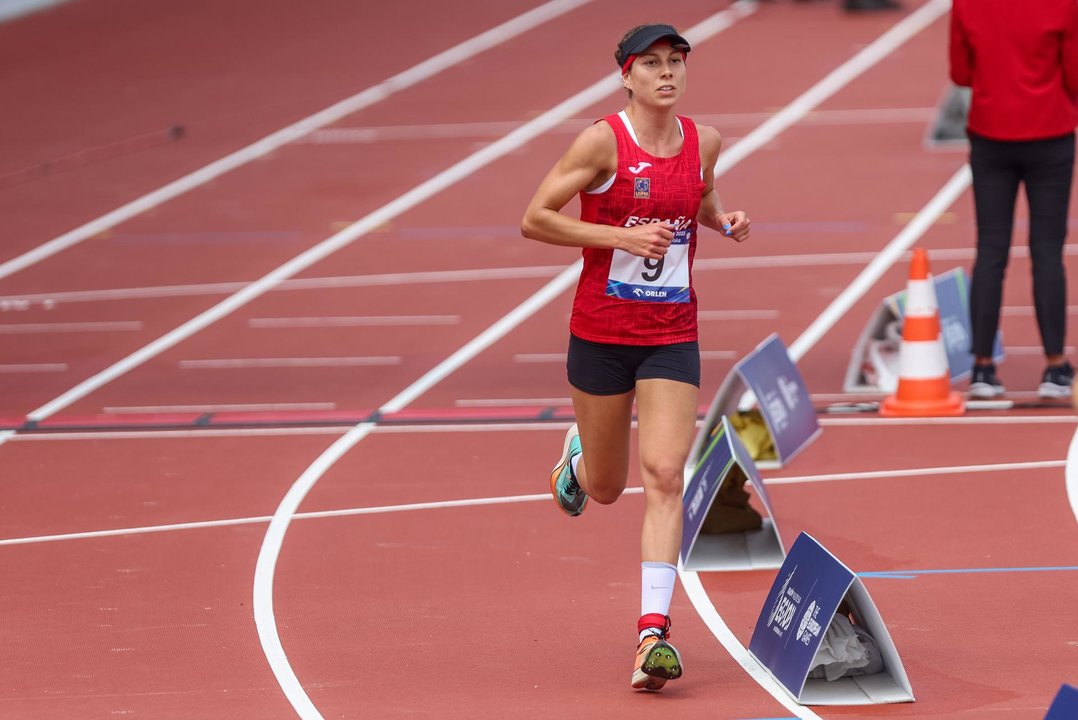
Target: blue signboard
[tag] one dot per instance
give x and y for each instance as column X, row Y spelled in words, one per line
column 807, row 592
column 952, row 298
column 803, row 599
column 723, row 456
column 1065, row 706
column 781, row 394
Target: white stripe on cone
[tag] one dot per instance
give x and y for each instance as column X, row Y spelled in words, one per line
column 922, row 360
column 921, row 298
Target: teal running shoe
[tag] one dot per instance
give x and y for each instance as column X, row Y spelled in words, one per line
column 563, row 486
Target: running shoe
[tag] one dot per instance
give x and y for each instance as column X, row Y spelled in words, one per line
column 985, row 384
column 656, row 662
column 563, row 486
column 1056, row 382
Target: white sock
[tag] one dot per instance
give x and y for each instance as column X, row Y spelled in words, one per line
column 656, row 591
column 574, row 461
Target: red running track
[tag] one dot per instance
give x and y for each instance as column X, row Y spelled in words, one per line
column 425, row 573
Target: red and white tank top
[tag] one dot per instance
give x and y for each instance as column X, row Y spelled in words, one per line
column 629, row 300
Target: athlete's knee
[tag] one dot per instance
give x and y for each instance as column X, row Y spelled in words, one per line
column 664, row 477
column 606, row 494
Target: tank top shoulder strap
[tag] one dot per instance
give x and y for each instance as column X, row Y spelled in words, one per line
column 692, row 140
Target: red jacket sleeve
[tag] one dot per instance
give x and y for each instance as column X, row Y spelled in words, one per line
column 1069, row 51
column 961, row 52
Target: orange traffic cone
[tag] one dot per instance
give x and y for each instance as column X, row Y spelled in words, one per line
column 924, row 381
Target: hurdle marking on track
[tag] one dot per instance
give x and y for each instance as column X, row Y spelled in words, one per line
column 70, row 327
column 15, row 368
column 237, row 408
column 354, row 321
column 290, row 362
column 374, row 94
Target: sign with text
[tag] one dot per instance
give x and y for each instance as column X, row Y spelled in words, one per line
column 873, row 363
column 714, row 495
column 777, row 388
column 808, row 591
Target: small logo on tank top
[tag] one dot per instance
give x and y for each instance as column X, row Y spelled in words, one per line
column 637, row 169
column 642, row 188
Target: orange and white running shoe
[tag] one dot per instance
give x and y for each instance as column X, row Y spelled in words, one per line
column 656, row 662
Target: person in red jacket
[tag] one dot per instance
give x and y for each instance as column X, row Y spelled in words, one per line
column 1021, row 61
column 645, row 181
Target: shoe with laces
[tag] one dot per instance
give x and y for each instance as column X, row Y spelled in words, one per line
column 985, row 384
column 1056, row 382
column 563, row 486
column 656, row 662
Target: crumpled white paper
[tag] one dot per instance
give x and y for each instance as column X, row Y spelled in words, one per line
column 845, row 650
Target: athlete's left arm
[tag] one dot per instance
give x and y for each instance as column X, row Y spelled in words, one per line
column 734, row 224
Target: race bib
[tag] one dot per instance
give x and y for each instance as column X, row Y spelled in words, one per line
column 663, row 280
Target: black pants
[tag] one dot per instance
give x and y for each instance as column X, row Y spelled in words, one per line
column 1046, row 168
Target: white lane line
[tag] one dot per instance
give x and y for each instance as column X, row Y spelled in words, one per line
column 874, row 419
column 51, row 299
column 539, row 357
column 1033, row 350
column 11, row 9
column 293, row 362
column 416, row 74
column 456, row 131
column 1071, row 474
column 6, row 435
column 879, row 49
column 33, row 367
column 494, row 500
column 916, row 472
column 265, row 622
column 560, row 357
column 511, row 402
column 417, row 195
column 211, row 432
column 69, row 327
column 887, row 257
column 737, row 314
column 242, row 407
column 1027, row 310
column 318, row 283
column 354, row 321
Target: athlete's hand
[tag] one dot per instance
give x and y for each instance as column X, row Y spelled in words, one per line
column 734, row 224
column 649, row 240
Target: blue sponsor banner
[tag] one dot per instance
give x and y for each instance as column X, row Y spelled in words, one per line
column 628, row 291
column 806, row 593
column 952, row 298
column 723, row 454
column 781, row 394
column 1065, row 706
column 706, row 478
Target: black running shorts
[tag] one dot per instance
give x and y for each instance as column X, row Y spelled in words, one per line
column 605, row 369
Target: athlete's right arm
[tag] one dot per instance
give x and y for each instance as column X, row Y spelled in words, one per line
column 590, row 161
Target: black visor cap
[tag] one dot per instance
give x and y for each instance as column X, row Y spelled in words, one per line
column 647, row 36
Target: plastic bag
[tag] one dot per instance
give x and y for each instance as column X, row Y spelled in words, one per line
column 847, row 650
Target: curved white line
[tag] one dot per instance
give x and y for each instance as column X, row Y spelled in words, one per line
column 690, row 581
column 1071, row 475
column 265, row 622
